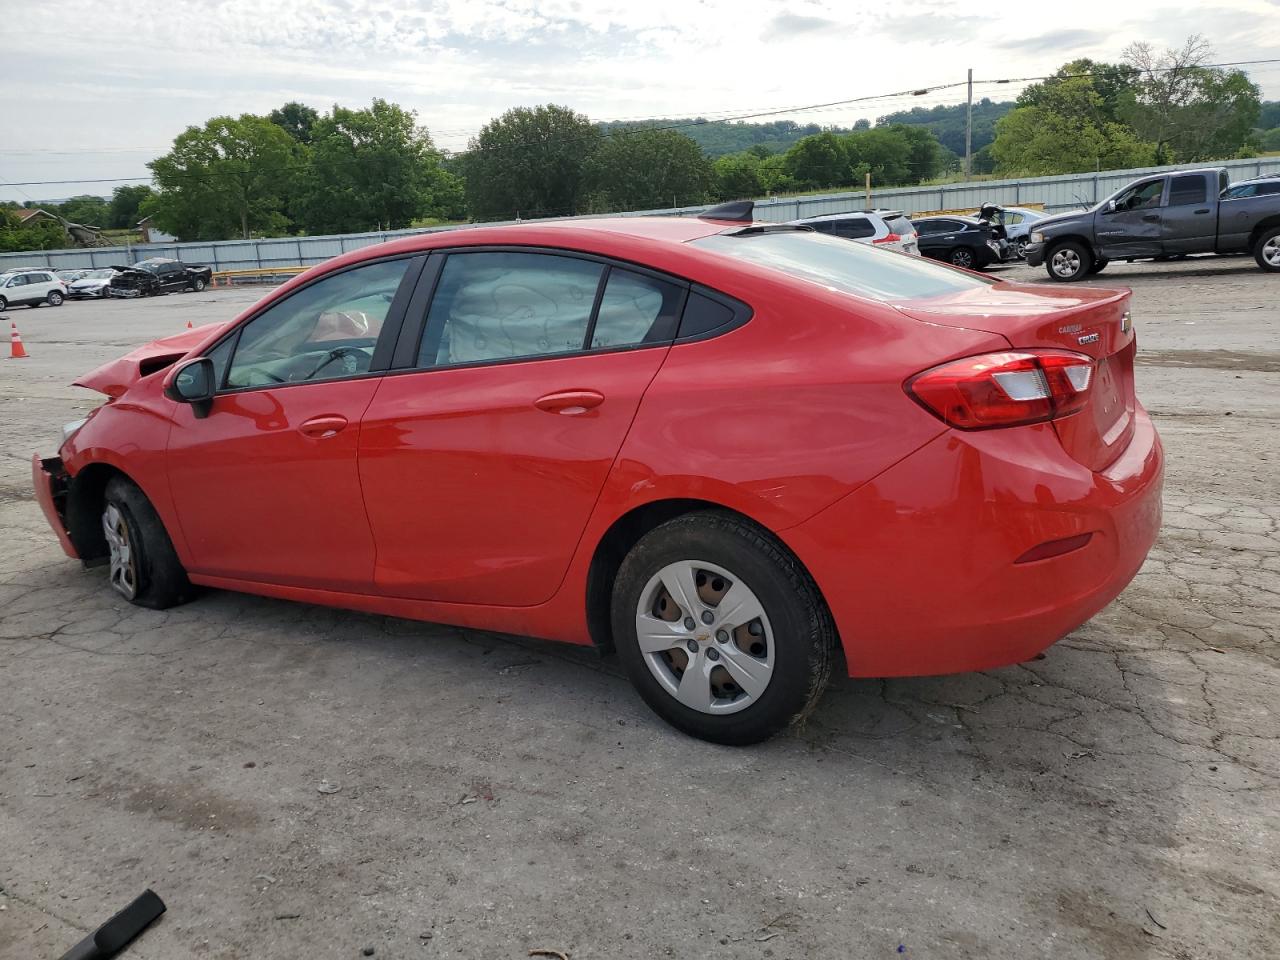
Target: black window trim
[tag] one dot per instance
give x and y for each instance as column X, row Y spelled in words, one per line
column 415, row 328
column 387, row 336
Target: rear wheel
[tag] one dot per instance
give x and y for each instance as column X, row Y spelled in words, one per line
column 721, row 630
column 961, row 257
column 1266, row 250
column 1068, row 261
column 4, row 304
column 145, row 569
column 54, row 299
column 1020, row 247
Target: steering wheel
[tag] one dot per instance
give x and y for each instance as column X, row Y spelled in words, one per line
column 335, row 354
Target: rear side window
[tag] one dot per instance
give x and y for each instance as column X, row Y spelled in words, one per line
column 500, row 306
column 702, row 316
column 855, row 268
column 636, row 309
column 1187, row 190
column 854, row 228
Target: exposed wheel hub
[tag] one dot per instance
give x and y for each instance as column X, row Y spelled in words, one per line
column 124, row 574
column 705, row 637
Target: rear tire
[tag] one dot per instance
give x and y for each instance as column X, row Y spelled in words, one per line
column 4, row 304
column 962, row 257
column 1068, row 261
column 145, row 568
column 54, row 299
column 1020, row 248
column 1266, row 250
column 752, row 678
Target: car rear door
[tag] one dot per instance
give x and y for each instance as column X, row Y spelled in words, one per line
column 1188, row 224
column 266, row 484
column 482, row 455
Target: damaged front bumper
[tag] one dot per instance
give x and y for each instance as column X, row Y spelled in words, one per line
column 51, row 483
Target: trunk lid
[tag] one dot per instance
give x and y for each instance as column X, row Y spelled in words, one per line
column 1085, row 320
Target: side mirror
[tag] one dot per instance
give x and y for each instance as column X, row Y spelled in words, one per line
column 1111, row 206
column 193, row 383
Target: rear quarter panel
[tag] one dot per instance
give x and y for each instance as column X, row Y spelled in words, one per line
column 786, row 414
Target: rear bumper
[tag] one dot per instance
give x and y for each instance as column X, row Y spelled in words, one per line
column 50, row 482
column 918, row 566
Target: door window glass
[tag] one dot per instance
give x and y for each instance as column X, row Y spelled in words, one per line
column 1187, row 190
column 499, row 306
column 635, row 309
column 1141, row 195
column 324, row 331
column 854, row 228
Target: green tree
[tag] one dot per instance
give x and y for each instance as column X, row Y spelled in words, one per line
column 1189, row 111
column 295, row 119
column 1269, row 140
column 1035, row 141
column 737, row 176
column 1087, row 90
column 371, row 169
column 649, row 169
column 225, row 179
column 529, row 162
column 820, row 160
column 125, row 202
column 92, row 211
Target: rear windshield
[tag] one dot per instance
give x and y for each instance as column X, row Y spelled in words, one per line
column 839, row 265
column 901, row 226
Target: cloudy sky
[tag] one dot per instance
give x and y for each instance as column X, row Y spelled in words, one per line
column 88, row 93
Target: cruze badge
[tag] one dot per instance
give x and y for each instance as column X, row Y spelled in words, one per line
column 1089, row 338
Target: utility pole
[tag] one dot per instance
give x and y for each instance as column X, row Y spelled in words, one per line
column 968, row 130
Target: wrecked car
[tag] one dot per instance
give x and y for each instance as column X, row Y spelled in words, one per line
column 149, row 278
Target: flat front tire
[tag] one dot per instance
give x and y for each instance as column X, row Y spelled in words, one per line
column 144, row 567
column 1068, row 262
column 721, row 630
column 1266, row 250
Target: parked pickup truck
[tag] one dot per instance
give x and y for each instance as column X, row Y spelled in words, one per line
column 1162, row 216
column 158, row 275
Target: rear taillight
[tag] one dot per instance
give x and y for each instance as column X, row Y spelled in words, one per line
column 1005, row 389
column 890, row 238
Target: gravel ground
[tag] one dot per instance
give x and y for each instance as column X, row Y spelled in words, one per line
column 496, row 795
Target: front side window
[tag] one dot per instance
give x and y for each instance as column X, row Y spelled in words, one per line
column 500, row 306
column 324, row 331
column 1141, row 195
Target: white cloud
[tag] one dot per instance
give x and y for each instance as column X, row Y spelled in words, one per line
column 93, row 83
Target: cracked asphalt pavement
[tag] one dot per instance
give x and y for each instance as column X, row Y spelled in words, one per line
column 487, row 795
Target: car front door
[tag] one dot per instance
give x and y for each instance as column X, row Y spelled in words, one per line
column 266, row 484
column 1132, row 227
column 482, row 461
column 1188, row 224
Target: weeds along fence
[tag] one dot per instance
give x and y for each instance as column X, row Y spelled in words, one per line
column 1057, row 194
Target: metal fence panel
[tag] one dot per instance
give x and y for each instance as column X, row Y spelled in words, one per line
column 1057, row 194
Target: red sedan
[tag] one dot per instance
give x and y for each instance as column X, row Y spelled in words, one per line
column 729, row 451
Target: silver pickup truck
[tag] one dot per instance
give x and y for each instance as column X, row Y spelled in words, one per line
column 1164, row 216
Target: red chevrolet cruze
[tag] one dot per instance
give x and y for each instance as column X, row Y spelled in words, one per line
column 729, row 451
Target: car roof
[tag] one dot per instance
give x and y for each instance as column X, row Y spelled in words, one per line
column 822, row 218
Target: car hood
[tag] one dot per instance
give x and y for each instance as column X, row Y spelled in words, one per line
column 117, row 376
column 1050, row 222
column 87, row 284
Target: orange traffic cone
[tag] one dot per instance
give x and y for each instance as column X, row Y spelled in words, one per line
column 189, row 327
column 16, row 350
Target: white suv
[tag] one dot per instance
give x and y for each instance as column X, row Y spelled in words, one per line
column 884, row 228
column 31, row 287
